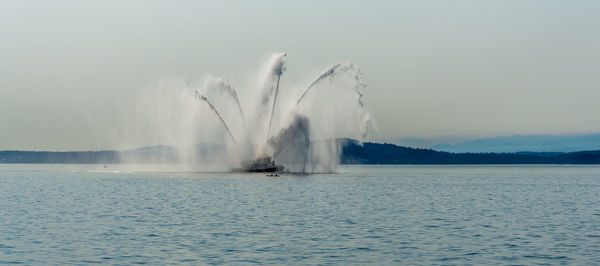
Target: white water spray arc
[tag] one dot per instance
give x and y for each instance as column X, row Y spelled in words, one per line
column 277, row 127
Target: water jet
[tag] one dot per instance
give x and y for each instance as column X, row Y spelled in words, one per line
column 273, row 125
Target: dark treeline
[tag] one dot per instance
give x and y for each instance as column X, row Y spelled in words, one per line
column 154, row 154
column 376, row 153
column 74, row 157
column 353, row 153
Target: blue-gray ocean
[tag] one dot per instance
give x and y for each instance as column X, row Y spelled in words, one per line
column 83, row 214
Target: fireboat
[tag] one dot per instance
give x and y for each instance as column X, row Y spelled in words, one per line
column 260, row 165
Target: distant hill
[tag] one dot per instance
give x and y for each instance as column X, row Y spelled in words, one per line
column 75, row 157
column 377, row 153
column 353, row 153
column 151, row 154
column 534, row 143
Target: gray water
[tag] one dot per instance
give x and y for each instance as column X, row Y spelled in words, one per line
column 56, row 214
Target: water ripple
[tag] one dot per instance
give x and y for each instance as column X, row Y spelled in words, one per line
column 364, row 214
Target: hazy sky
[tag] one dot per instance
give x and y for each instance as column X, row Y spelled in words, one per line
column 433, row 68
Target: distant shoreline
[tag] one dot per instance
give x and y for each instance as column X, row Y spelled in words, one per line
column 353, row 153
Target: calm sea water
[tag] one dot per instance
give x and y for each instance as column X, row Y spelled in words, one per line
column 56, row 214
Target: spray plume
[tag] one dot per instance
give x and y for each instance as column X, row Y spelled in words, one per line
column 212, row 107
column 224, row 86
column 301, row 136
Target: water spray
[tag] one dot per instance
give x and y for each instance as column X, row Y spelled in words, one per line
column 274, row 102
column 212, row 107
column 289, row 144
column 226, row 87
column 329, row 73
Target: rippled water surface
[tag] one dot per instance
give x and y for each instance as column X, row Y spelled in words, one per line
column 55, row 214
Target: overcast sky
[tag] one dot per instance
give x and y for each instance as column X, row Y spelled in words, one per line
column 433, row 68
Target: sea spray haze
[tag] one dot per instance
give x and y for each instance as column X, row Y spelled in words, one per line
column 213, row 122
